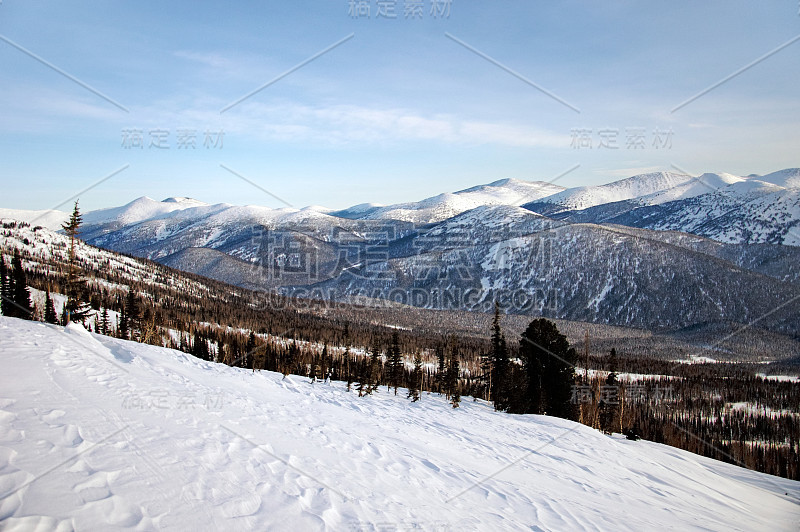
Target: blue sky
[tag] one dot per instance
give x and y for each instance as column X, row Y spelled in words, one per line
column 398, row 112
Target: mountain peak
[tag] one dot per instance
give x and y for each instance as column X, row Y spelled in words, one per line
column 787, row 178
column 184, row 201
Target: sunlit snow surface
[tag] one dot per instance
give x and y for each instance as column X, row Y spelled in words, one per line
column 103, row 434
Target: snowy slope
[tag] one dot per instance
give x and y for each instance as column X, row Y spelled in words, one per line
column 649, row 189
column 50, row 219
column 751, row 212
column 697, row 186
column 788, row 178
column 103, row 434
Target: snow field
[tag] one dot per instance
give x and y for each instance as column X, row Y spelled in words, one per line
column 100, row 433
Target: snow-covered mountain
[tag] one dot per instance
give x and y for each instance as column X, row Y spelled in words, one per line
column 105, row 434
column 789, row 178
column 142, row 209
column 438, row 208
column 749, row 212
column 718, row 206
column 648, row 189
column 583, row 272
column 606, row 273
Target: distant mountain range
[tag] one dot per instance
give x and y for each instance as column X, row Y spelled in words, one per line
column 723, row 207
column 660, row 251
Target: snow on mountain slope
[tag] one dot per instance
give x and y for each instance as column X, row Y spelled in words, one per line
column 487, row 224
column 751, row 211
column 788, row 178
column 694, row 187
column 240, row 231
column 657, row 185
column 51, row 250
column 141, row 209
column 438, row 208
column 49, row 219
column 104, row 434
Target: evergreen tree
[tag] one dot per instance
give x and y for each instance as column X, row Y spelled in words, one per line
column 610, row 407
column 200, row 347
column 612, row 367
column 123, row 330
column 105, row 323
column 416, row 379
column 292, row 360
column 498, row 365
column 347, row 371
column 249, row 349
column 441, row 368
column 549, row 362
column 20, row 295
column 375, row 369
column 453, row 390
column 50, row 315
column 363, row 377
column 132, row 316
column 5, row 288
column 323, row 366
column 395, row 364
column 76, row 310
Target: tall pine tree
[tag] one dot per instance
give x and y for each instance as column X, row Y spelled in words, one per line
column 453, row 389
column 5, row 288
column 395, row 364
column 50, row 315
column 20, row 293
column 499, row 365
column 416, row 379
column 131, row 316
column 76, row 309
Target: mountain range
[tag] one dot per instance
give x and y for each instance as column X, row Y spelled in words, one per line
column 661, row 251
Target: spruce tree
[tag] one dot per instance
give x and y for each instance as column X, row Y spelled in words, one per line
column 324, row 367
column 50, row 315
column 347, row 369
column 441, row 368
column 249, row 349
column 416, row 379
column 21, row 295
column 612, row 367
column 499, row 365
column 76, row 310
column 395, row 364
column 610, row 407
column 105, row 323
column 200, row 347
column 549, row 362
column 453, row 390
column 375, row 370
column 132, row 316
column 123, row 330
column 363, row 378
column 5, row 288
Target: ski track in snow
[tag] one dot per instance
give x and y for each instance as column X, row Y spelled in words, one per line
column 102, row 434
